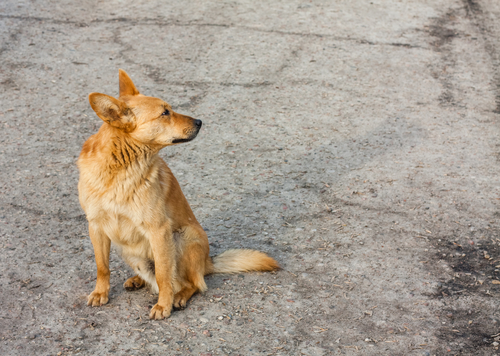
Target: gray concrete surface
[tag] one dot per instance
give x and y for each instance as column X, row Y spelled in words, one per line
column 355, row 141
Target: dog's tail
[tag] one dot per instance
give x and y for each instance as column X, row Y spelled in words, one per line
column 233, row 261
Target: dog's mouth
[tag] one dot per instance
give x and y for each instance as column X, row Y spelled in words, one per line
column 180, row 140
column 193, row 135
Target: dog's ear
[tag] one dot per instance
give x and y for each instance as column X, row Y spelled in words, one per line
column 127, row 86
column 113, row 111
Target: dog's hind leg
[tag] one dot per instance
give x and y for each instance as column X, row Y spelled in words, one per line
column 145, row 270
column 134, row 283
column 192, row 265
column 181, row 298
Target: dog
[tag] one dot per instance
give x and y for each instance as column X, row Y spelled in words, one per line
column 132, row 199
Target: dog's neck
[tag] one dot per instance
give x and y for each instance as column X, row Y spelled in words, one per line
column 125, row 152
column 118, row 154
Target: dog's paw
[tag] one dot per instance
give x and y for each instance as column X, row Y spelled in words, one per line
column 159, row 312
column 97, row 299
column 134, row 283
column 180, row 301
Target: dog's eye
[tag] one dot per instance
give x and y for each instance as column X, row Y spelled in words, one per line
column 166, row 113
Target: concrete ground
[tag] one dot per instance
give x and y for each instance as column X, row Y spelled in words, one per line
column 355, row 141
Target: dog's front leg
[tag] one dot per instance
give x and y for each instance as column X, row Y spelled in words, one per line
column 101, row 245
column 163, row 247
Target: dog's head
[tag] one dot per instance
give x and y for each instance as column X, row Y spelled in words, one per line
column 146, row 119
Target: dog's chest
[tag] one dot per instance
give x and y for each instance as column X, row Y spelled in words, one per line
column 129, row 204
column 124, row 213
column 123, row 229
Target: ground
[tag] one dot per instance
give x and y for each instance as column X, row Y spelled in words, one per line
column 357, row 142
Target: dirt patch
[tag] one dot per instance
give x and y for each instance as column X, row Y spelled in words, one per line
column 471, row 330
column 475, row 275
column 476, row 265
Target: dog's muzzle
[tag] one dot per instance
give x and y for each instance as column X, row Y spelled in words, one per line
column 194, row 133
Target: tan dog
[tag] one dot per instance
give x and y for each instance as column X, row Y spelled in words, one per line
column 131, row 198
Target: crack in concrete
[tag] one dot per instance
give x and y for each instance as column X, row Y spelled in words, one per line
column 36, row 212
column 157, row 22
column 480, row 18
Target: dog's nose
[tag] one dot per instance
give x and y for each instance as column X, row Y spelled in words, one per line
column 197, row 123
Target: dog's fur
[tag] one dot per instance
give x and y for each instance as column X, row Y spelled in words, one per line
column 131, row 198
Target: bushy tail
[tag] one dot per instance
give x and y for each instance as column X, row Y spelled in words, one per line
column 233, row 261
